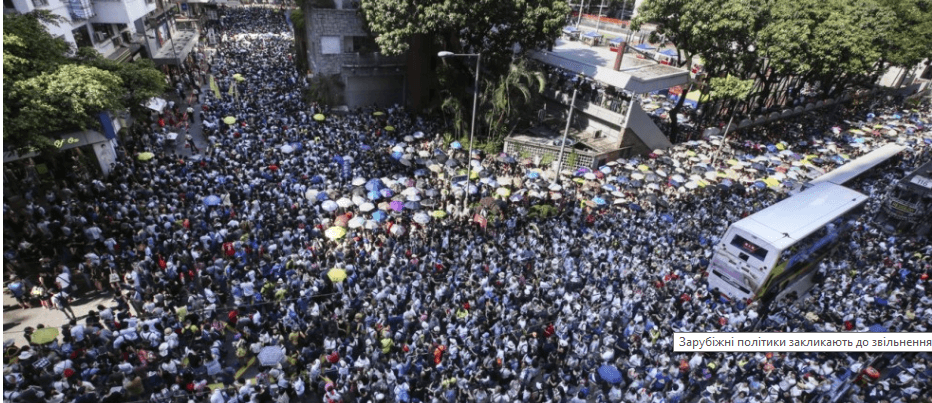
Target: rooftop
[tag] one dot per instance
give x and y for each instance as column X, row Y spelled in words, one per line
column 635, row 75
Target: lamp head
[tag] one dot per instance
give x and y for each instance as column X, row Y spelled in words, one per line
column 445, row 53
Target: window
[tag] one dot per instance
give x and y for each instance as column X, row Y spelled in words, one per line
column 330, row 45
column 749, row 247
column 40, row 3
column 9, row 4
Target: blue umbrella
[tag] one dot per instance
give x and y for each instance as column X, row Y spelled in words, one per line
column 373, row 195
column 317, row 179
column 322, row 196
column 212, row 200
column 397, row 155
column 598, row 200
column 386, row 192
column 635, row 207
column 877, row 328
column 610, row 188
column 456, row 145
column 364, row 147
column 379, row 215
column 412, row 205
column 760, row 184
column 420, row 172
column 533, row 175
column 297, row 145
column 610, row 374
column 666, row 217
column 772, row 148
column 338, row 159
column 374, row 185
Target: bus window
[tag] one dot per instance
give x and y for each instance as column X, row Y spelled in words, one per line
column 749, row 247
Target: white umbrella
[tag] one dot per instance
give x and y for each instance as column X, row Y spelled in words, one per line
column 358, row 200
column 359, row 181
column 366, row 207
column 589, row 175
column 344, row 202
column 357, row 222
column 287, row 149
column 691, row 185
column 329, row 206
column 412, row 191
column 637, row 176
column 423, row 153
column 397, row 230
column 371, row 224
column 653, row 186
column 418, row 134
column 413, row 197
column 311, row 194
column 422, row 218
column 271, row 355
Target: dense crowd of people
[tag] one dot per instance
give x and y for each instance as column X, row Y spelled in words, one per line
column 310, row 256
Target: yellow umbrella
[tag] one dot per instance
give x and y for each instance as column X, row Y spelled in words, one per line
column 336, row 275
column 733, row 162
column 378, row 113
column 473, row 175
column 390, row 128
column 690, row 153
column 772, row 182
column 145, row 156
column 645, row 168
column 579, row 180
column 781, row 146
column 504, row 192
column 438, row 214
column 319, row 117
column 239, row 77
column 335, row 232
column 229, row 120
column 45, row 335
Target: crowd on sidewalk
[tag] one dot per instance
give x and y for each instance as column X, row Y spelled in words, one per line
column 309, row 256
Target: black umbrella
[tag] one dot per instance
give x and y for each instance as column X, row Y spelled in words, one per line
column 452, row 163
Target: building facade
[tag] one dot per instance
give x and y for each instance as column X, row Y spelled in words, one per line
column 339, row 47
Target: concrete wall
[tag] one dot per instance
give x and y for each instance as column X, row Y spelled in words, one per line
column 120, row 12
column 328, row 23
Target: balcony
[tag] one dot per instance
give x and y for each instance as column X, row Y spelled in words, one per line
column 589, row 108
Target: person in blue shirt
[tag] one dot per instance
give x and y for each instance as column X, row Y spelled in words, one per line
column 19, row 289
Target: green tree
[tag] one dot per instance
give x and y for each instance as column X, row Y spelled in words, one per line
column 509, row 96
column 682, row 23
column 487, row 26
column 28, row 48
column 141, row 80
column 67, row 98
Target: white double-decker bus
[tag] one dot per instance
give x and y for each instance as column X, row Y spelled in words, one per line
column 778, row 248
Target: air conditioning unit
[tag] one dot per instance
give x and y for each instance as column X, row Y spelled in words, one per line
column 117, row 42
column 100, row 36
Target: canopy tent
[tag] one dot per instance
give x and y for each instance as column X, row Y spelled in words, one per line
column 616, row 41
column 644, row 47
column 592, row 38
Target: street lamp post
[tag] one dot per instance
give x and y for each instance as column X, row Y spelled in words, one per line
column 566, row 131
column 472, row 129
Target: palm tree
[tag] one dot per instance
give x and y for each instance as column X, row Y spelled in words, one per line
column 508, row 97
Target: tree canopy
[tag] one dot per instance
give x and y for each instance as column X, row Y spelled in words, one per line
column 830, row 45
column 50, row 87
column 474, row 26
